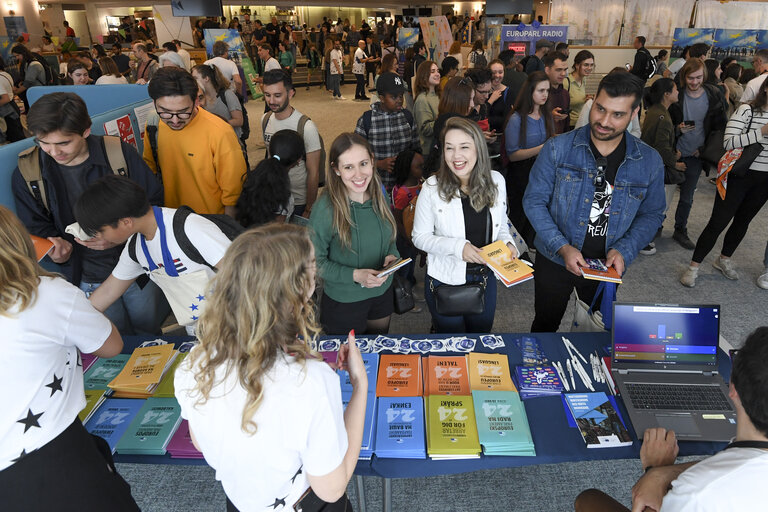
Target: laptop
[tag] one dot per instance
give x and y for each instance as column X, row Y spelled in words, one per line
column 664, row 363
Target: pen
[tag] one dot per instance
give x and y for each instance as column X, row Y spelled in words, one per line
column 570, row 372
column 559, row 369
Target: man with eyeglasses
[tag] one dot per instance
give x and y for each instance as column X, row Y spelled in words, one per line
column 596, row 192
column 70, row 158
column 196, row 152
column 481, row 79
column 556, row 68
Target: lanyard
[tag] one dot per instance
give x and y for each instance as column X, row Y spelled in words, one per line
column 748, row 444
column 170, row 267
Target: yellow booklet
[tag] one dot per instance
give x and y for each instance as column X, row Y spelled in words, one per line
column 489, row 372
column 510, row 271
column 144, row 368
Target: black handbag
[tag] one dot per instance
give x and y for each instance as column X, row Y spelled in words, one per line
column 403, row 292
column 462, row 299
column 748, row 155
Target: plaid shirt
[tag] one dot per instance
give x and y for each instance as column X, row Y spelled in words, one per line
column 389, row 134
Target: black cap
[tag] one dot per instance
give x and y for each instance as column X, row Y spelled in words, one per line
column 390, row 83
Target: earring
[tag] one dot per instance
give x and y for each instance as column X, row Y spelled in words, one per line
column 338, row 174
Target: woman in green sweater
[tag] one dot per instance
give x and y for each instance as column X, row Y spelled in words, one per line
column 353, row 231
column 285, row 57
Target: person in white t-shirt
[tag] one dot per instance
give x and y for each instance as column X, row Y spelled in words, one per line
column 305, row 176
column 337, row 70
column 227, row 67
column 358, row 69
column 730, row 480
column 115, row 209
column 760, row 63
column 48, row 461
column 185, row 57
column 110, row 75
column 264, row 409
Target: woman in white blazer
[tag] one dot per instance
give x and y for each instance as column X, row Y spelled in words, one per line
column 460, row 209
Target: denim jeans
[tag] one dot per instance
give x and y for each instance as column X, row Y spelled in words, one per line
column 335, row 80
column 463, row 323
column 687, row 189
column 140, row 311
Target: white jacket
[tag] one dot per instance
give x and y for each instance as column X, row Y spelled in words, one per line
column 438, row 229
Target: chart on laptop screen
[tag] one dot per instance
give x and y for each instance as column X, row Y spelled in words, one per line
column 666, row 334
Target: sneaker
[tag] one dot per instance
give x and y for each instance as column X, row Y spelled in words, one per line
column 762, row 281
column 342, row 98
column 689, row 277
column 727, row 267
column 365, row 98
column 649, row 249
column 681, row 237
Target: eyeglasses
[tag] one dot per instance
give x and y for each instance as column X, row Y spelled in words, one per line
column 179, row 115
column 478, row 91
column 602, row 164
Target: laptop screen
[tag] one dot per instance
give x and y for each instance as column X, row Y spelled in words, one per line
column 668, row 335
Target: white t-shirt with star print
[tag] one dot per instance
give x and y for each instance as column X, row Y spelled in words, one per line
column 42, row 377
column 300, row 431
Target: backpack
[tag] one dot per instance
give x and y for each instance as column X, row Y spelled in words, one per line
column 368, row 116
column 32, row 172
column 300, row 130
column 650, row 65
column 51, row 78
column 226, row 224
column 246, row 128
column 479, row 60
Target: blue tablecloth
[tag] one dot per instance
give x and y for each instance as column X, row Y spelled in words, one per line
column 555, row 441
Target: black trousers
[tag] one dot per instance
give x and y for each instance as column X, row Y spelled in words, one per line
column 360, row 88
column 73, row 472
column 311, row 503
column 553, row 285
column 743, row 200
column 517, row 180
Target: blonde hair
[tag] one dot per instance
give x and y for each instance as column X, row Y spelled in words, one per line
column 482, row 189
column 19, row 272
column 259, row 307
column 337, row 191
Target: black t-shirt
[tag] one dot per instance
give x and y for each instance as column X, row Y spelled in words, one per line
column 123, row 62
column 97, row 265
column 594, row 242
column 258, row 34
column 475, row 226
column 273, row 38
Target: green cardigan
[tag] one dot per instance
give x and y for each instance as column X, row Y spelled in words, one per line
column 371, row 241
column 659, row 133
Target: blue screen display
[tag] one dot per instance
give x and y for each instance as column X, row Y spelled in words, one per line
column 668, row 335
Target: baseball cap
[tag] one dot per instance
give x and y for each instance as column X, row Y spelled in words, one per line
column 390, row 83
column 543, row 43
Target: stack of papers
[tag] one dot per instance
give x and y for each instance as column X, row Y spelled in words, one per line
column 112, row 419
column 399, row 375
column 366, row 448
column 102, row 371
column 144, row 370
column 400, row 428
column 535, row 381
column 451, row 427
column 509, row 270
column 180, row 445
column 445, row 375
column 599, row 423
column 502, row 424
column 165, row 389
column 152, row 428
column 490, row 372
column 93, row 399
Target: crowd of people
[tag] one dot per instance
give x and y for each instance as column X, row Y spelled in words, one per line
column 506, row 150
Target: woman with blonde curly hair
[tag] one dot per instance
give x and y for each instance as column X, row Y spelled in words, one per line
column 262, row 407
column 46, row 322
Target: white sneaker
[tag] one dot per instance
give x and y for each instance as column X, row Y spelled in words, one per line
column 727, row 267
column 342, row 98
column 762, row 281
column 689, row 277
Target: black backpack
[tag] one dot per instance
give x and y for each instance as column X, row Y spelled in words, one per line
column 229, row 226
column 650, row 65
column 479, row 60
column 51, row 78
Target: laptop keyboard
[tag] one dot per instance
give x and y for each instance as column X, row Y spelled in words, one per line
column 677, row 397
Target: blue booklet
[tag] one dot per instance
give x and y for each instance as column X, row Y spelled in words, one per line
column 371, row 362
column 598, row 420
column 572, row 420
column 366, row 448
column 400, row 428
column 502, row 424
column 113, row 418
column 535, row 381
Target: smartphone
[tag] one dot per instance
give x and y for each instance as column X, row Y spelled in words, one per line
column 689, row 123
column 627, row 66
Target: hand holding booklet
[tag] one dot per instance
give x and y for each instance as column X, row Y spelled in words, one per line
column 509, row 269
column 597, row 270
column 394, row 266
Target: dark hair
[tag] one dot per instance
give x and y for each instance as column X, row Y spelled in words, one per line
column 621, row 83
column 276, row 76
column 732, row 71
column 750, row 378
column 268, row 47
column 65, row 111
column 549, row 59
column 712, row 65
column 507, row 56
column 26, row 55
column 402, row 167
column 73, row 65
column 641, row 39
column 108, row 66
column 117, row 46
column 560, row 46
column 686, row 52
column 581, row 57
column 449, row 63
column 477, row 46
column 479, row 76
column 212, row 73
column 100, row 52
column 266, row 188
column 762, row 54
column 172, row 81
column 107, row 200
column 391, row 58
column 747, row 75
column 698, row 50
column 727, row 62
column 661, row 55
column 171, row 47
column 761, row 98
column 659, row 88
column 524, row 106
column 220, row 49
column 418, row 46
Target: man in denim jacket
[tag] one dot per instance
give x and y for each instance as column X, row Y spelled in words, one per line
column 596, row 192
